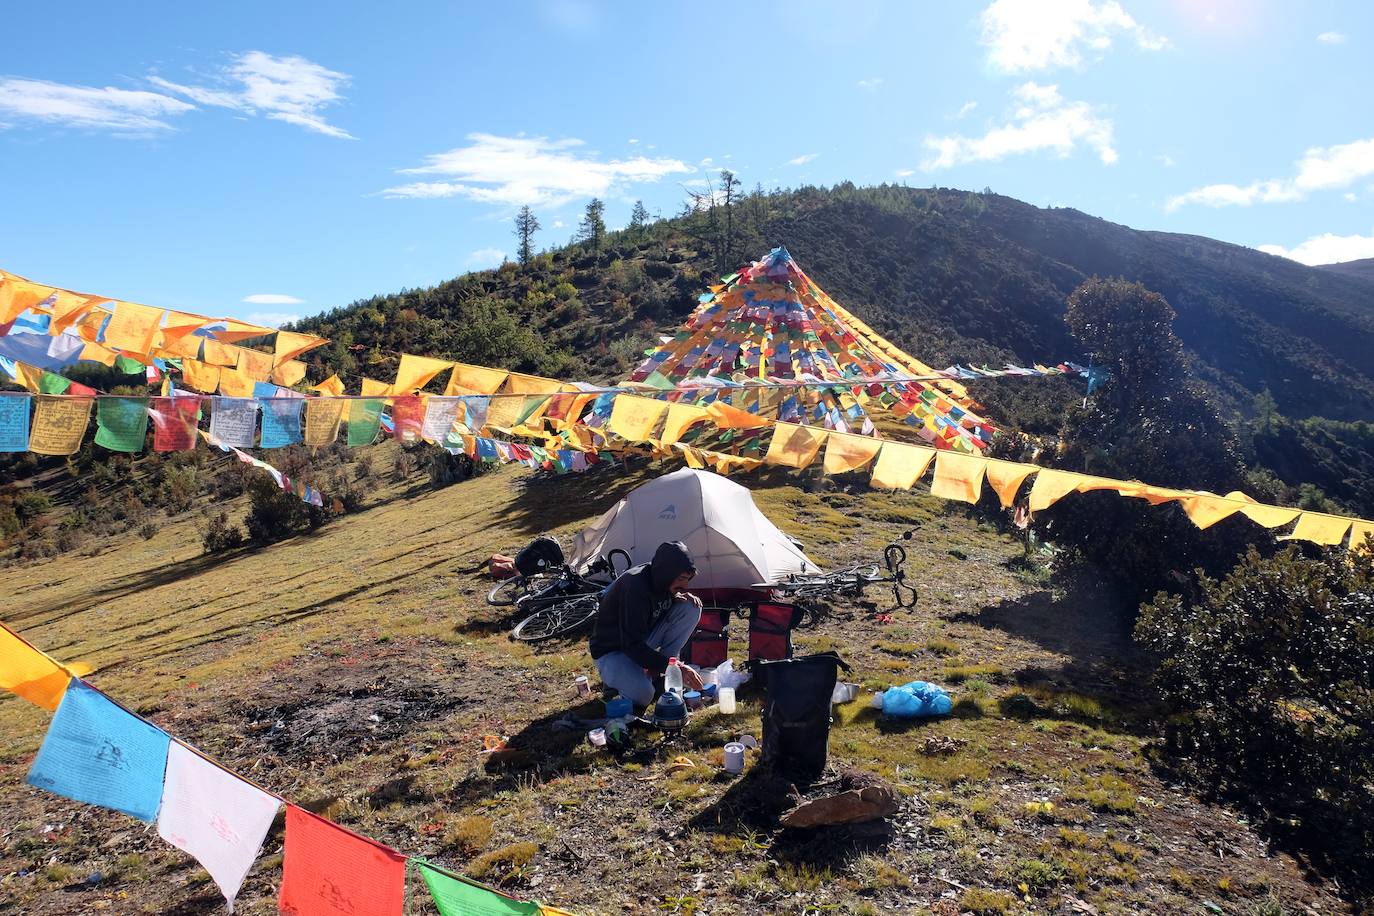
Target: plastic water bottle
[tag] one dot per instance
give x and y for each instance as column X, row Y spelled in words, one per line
column 672, row 678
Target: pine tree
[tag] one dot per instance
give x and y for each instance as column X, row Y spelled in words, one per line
column 526, row 225
column 639, row 218
column 592, row 231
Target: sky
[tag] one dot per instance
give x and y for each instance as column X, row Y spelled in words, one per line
column 268, row 161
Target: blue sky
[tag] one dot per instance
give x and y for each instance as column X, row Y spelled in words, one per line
column 273, row 160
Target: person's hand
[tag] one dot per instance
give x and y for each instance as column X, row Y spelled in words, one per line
column 688, row 596
column 690, row 679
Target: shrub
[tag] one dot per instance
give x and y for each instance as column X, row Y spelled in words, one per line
column 276, row 514
column 1269, row 673
column 218, row 534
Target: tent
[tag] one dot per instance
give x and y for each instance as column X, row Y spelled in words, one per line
column 733, row 543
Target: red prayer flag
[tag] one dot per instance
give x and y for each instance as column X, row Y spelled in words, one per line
column 174, row 423
column 408, row 413
column 329, row 870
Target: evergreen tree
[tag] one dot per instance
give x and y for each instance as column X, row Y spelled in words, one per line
column 639, row 218
column 526, row 225
column 729, row 195
column 592, row 231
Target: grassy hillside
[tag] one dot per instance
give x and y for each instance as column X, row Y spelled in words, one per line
column 1362, row 269
column 357, row 669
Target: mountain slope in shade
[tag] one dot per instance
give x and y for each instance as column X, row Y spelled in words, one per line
column 1362, row 269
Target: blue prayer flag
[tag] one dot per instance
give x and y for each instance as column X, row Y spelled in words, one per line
column 14, row 422
column 98, row 753
column 281, row 422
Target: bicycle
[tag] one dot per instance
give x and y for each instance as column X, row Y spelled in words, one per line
column 563, row 606
column 851, row 582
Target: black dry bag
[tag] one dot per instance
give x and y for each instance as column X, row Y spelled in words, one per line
column 539, row 555
column 796, row 711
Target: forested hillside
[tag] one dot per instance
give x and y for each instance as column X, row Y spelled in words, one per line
column 952, row 276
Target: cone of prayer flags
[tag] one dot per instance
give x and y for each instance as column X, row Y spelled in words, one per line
column 100, row 753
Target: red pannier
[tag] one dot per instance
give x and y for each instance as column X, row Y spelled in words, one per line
column 710, row 643
column 770, row 630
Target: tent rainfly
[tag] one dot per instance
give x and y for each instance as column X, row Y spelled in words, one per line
column 733, row 543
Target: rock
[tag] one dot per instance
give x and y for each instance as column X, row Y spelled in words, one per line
column 852, row 807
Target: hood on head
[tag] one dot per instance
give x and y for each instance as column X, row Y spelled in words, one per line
column 671, row 560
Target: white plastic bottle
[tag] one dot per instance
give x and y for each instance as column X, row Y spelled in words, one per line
column 672, row 678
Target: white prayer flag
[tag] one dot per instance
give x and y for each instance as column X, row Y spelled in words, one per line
column 215, row 816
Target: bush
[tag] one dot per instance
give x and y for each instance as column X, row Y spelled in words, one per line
column 1269, row 673
column 218, row 535
column 276, row 514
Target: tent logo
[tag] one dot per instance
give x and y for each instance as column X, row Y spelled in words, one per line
column 669, row 513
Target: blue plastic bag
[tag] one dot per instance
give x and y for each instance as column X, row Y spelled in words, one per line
column 916, row 700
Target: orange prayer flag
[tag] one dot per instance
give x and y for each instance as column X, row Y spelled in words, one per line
column 680, row 418
column 67, row 308
column 235, row 383
column 1006, row 478
column 330, row 386
column 290, row 344
column 89, row 324
column 727, row 416
column 31, row 377
column 220, row 354
column 375, row 389
column 133, row 327
column 17, row 295
column 958, row 476
column 200, row 376
column 1319, row 529
column 1206, row 509
column 1051, row 486
column 900, row 465
column 415, row 372
column 187, row 345
column 519, row 383
column 256, row 364
column 693, row 456
column 1269, row 516
column 848, row 452
column 474, row 380
column 32, row 674
column 236, row 331
column 288, row 373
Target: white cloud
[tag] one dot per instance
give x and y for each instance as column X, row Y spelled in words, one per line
column 1166, row 160
column 1043, row 120
column 272, row 299
column 966, row 109
column 1326, row 249
column 272, row 319
column 802, row 159
column 558, row 224
column 1328, row 168
column 1027, row 35
column 290, row 89
column 905, row 173
column 514, row 171
column 871, row 83
column 87, row 106
column 1350, row 196
column 1331, row 38
column 486, row 257
column 633, row 141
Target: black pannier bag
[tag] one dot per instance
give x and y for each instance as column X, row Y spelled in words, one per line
column 796, row 711
column 539, row 555
column 770, row 630
column 710, row 642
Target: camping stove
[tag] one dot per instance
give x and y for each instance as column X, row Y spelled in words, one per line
column 670, row 713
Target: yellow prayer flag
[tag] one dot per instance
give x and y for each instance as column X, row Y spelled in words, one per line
column 1051, row 486
column 330, row 386
column 58, row 424
column 900, row 465
column 1206, row 509
column 474, row 380
column 848, row 452
column 1269, row 516
column 519, row 383
column 288, row 373
column 67, row 309
column 680, row 418
column 30, row 377
column 505, row 412
column 322, row 418
column 16, row 295
column 236, row 331
column 1006, row 478
column 958, row 476
column 1319, row 529
column 200, row 376
column 289, row 345
column 375, row 389
column 693, row 456
column 634, row 418
column 88, row 325
column 133, row 327
column 235, row 383
column 795, row 446
column 220, row 354
column 727, row 416
column 1358, row 531
column 256, row 364
column 187, row 345
column 416, row 372
column 30, row 673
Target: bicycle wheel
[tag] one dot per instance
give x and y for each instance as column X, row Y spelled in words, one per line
column 559, row 619
column 508, row 592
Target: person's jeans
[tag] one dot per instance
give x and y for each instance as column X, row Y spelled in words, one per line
column 668, row 637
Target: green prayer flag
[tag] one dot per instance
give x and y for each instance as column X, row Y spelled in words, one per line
column 121, row 423
column 52, row 383
column 364, row 417
column 659, row 380
column 456, row 897
column 127, row 365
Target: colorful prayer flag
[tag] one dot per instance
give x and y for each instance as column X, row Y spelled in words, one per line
column 848, row 452
column 14, row 422
column 634, row 418
column 408, row 414
column 364, row 419
column 133, row 327
column 1006, row 477
column 281, row 420
column 121, row 423
column 416, row 372
column 174, row 423
column 234, row 422
column 59, row 423
column 900, row 465
column 795, row 446
column 28, row 672
column 958, row 476
column 322, row 416
column 329, row 870
column 457, row 896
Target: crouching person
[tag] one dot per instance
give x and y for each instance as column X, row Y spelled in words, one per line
column 645, row 618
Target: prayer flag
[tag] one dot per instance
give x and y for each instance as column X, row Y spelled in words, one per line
column 330, row 386
column 1051, row 486
column 215, row 816
column 101, row 754
column 457, row 896
column 373, row 388
column 18, row 295
column 235, row 383
column 1006, row 477
column 364, row 418
column 235, row 331
column 98, row 353
column 1319, row 528
column 220, row 354
column 474, row 380
column 1269, row 516
column 14, row 422
column 289, row 372
column 133, row 327
column 234, row 422
column 795, row 446
column 519, row 383
column 634, row 418
column 121, row 423
column 30, row 673
column 1358, row 532
column 290, row 344
column 59, row 423
column 1206, row 509
column 128, row 365
column 329, row 870
column 900, row 465
column 728, row 417
column 848, row 452
column 322, row 416
column 281, row 421
column 408, row 414
column 52, row 383
column 67, row 308
column 174, row 423
column 441, row 413
column 256, row 364
column 415, row 372
column 958, row 476
column 200, row 376
column 680, row 418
